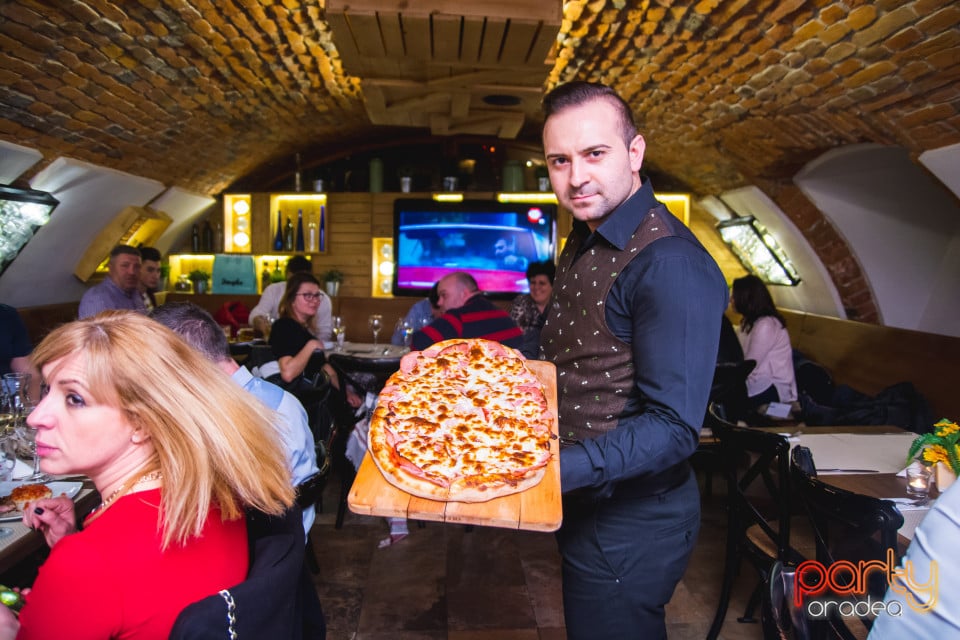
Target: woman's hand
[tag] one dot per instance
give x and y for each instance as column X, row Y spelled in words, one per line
column 9, row 624
column 53, row 517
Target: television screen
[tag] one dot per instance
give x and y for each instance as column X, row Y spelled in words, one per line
column 492, row 241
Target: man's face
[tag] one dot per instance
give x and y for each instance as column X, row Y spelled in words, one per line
column 450, row 294
column 591, row 170
column 125, row 271
column 150, row 275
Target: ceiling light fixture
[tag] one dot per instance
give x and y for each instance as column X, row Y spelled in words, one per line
column 758, row 250
column 22, row 212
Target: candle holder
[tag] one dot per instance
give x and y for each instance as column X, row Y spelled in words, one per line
column 918, row 480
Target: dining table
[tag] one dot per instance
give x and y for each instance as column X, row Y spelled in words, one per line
column 22, row 542
column 865, row 459
column 379, row 360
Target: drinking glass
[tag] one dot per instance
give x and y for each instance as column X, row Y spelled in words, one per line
column 339, row 331
column 29, row 435
column 8, row 457
column 376, row 323
column 17, row 386
column 8, row 460
column 8, row 413
column 405, row 329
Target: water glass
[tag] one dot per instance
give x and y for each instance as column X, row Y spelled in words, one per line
column 8, row 457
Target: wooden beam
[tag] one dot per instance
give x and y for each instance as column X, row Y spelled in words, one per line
column 546, row 10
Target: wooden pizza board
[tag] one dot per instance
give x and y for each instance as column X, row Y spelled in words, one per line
column 536, row 509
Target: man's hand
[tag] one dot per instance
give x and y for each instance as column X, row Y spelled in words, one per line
column 53, row 517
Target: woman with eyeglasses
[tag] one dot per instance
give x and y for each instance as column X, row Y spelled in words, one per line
column 293, row 343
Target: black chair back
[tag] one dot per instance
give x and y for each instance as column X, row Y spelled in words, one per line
column 756, row 465
column 276, row 600
column 728, row 392
column 851, row 527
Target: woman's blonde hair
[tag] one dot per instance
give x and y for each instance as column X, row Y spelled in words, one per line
column 214, row 441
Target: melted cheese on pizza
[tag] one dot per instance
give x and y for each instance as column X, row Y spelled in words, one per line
column 464, row 410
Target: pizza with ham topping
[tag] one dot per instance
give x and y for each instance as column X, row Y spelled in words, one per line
column 463, row 420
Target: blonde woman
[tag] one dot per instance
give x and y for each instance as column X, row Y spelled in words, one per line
column 178, row 452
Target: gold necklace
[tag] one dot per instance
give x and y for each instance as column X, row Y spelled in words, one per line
column 124, row 489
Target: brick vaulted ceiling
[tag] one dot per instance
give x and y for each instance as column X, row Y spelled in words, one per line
column 201, row 93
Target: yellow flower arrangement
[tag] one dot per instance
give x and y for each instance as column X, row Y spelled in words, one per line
column 941, row 445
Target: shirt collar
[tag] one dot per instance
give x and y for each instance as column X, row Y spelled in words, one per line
column 114, row 285
column 619, row 226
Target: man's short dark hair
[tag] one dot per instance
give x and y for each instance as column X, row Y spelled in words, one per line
column 578, row 92
column 434, row 295
column 196, row 327
column 124, row 249
column 545, row 268
column 299, row 264
column 150, row 253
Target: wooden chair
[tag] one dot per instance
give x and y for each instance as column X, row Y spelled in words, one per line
column 781, row 619
column 759, row 524
column 847, row 526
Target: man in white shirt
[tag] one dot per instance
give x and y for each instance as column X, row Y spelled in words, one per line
column 268, row 308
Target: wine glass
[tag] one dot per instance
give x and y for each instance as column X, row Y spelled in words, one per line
column 8, row 460
column 339, row 331
column 28, row 435
column 405, row 329
column 376, row 323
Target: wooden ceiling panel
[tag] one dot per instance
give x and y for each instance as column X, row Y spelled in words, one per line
column 424, row 61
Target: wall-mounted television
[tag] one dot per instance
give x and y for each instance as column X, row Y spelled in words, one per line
column 492, row 241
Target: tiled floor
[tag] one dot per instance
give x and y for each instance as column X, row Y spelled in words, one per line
column 444, row 582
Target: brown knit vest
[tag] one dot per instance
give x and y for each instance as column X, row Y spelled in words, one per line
column 594, row 367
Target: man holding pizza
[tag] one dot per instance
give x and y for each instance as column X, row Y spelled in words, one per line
column 633, row 328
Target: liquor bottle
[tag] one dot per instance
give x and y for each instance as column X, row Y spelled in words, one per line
column 195, row 239
column 323, row 227
column 264, row 277
column 312, row 234
column 288, row 235
column 217, row 237
column 278, row 240
column 277, row 274
column 299, row 230
column 206, row 237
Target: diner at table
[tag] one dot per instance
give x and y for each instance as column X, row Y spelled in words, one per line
column 176, row 478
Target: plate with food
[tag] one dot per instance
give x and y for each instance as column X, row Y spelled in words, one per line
column 15, row 495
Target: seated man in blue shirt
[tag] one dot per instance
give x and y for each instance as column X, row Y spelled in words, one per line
column 201, row 331
column 120, row 289
column 467, row 314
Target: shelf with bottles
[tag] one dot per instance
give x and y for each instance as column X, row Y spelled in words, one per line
column 298, row 222
column 270, row 269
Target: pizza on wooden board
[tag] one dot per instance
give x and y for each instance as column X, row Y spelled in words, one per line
column 463, row 420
